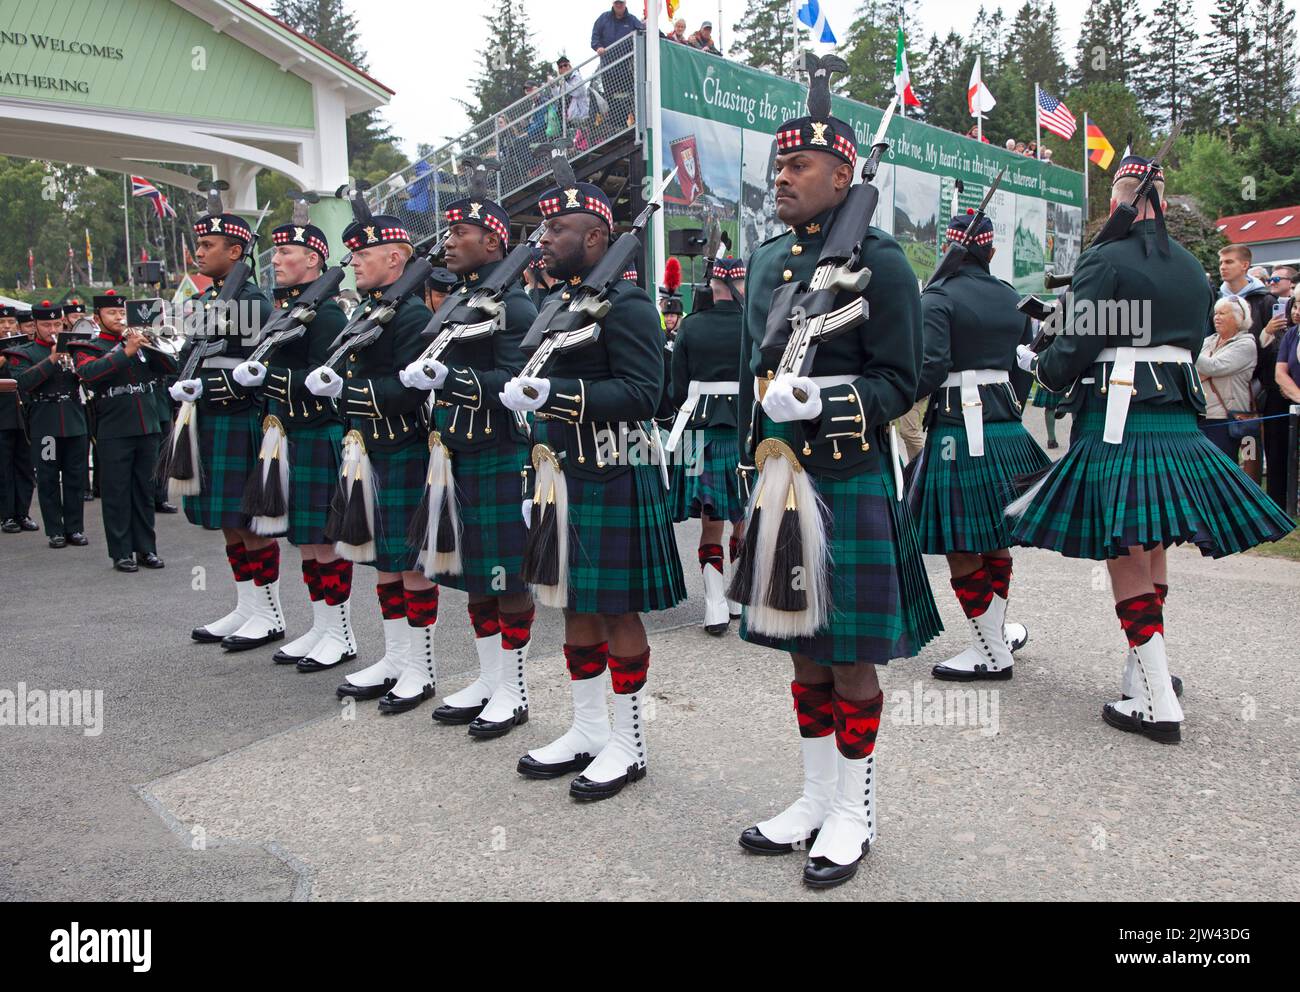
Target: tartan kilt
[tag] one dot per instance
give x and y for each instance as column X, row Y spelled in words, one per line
column 676, row 495
column 881, row 603
column 1165, row 483
column 315, row 456
column 710, row 480
column 489, row 495
column 959, row 502
column 1046, row 398
column 228, row 445
column 622, row 550
column 399, row 475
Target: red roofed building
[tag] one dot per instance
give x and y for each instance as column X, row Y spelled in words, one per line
column 1273, row 235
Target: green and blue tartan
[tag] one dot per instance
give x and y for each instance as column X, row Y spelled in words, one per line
column 677, row 507
column 1046, row 398
column 399, row 485
column 710, row 479
column 1165, row 483
column 489, row 494
column 315, row 454
column 959, row 502
column 881, row 603
column 622, row 551
column 228, row 446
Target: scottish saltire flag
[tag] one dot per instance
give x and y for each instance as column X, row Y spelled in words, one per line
column 1055, row 116
column 142, row 187
column 814, row 17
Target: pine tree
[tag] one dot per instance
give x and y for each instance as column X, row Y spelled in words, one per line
column 986, row 37
column 870, row 47
column 1032, row 54
column 1272, row 94
column 1109, row 50
column 940, row 82
column 507, row 65
column 1229, row 61
column 763, row 37
column 1169, row 79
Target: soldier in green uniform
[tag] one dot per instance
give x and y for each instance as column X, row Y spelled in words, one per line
column 312, row 432
column 671, row 312
column 56, row 425
column 227, row 443
column 77, row 322
column 975, row 445
column 17, row 480
column 704, row 385
column 488, row 447
column 386, row 424
column 1139, row 475
column 595, row 408
column 877, row 602
column 124, row 374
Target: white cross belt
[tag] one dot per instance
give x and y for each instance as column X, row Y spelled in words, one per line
column 694, row 391
column 1122, row 374
column 972, row 408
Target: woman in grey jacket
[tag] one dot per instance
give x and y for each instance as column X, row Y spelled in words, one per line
column 1226, row 364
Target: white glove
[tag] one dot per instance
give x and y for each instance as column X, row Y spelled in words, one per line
column 414, row 376
column 186, row 390
column 250, row 374
column 783, row 406
column 514, row 397
column 318, row 385
column 528, row 513
column 1025, row 357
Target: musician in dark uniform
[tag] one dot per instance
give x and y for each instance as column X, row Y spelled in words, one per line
column 605, row 505
column 705, row 383
column 386, row 425
column 17, row 480
column 876, row 600
column 124, row 375
column 56, row 425
column 312, row 433
column 74, row 311
column 976, row 445
column 440, row 282
column 487, row 447
column 1139, row 475
column 227, row 443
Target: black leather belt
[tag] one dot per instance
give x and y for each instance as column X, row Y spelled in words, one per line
column 134, row 387
column 56, row 398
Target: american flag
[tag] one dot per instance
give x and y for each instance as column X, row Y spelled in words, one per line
column 142, row 187
column 1055, row 116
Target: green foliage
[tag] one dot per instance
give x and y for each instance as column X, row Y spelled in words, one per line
column 507, row 64
column 763, row 36
column 1257, row 169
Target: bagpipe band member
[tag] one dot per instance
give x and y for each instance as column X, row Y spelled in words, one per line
column 976, row 446
column 1139, row 475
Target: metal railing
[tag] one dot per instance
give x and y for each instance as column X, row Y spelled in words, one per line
column 594, row 105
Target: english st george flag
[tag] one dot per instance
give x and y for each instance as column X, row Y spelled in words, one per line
column 1055, row 116
column 978, row 96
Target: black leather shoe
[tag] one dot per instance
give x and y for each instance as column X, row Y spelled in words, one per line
column 162, row 506
column 585, row 790
column 58, row 541
column 822, row 873
column 233, row 642
column 150, row 560
column 126, row 565
column 10, row 526
column 28, row 524
column 716, row 629
column 980, row 674
column 391, row 704
column 1162, row 732
column 310, row 664
column 530, row 767
column 365, row 693
column 202, row 635
column 77, row 539
column 458, row 715
column 753, row 841
column 487, row 729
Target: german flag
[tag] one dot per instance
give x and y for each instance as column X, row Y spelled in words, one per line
column 1100, row 150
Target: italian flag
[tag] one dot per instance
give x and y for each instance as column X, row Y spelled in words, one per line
column 902, row 78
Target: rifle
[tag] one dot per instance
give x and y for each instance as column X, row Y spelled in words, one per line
column 571, row 319
column 803, row 314
column 1119, row 223
column 959, row 250
column 215, row 321
column 291, row 324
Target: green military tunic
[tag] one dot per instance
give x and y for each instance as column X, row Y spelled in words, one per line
column 707, row 349
column 60, row 442
column 598, row 418
column 311, row 424
column 128, row 435
column 390, row 421
column 1165, row 482
column 488, row 447
column 881, row 604
column 228, row 415
column 957, row 499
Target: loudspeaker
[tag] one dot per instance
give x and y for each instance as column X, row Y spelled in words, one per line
column 149, row 272
column 686, row 242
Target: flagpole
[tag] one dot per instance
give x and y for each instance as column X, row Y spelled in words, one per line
column 126, row 223
column 1085, row 169
column 654, row 103
column 1038, row 125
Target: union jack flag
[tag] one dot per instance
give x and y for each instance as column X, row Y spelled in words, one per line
column 142, row 187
